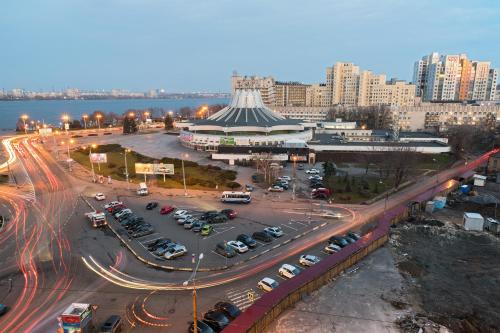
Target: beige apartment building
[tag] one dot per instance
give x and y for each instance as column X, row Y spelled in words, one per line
column 436, row 116
column 265, row 85
column 290, row 93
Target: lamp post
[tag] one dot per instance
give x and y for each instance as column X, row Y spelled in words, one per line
column 65, row 119
column 126, row 166
column 294, row 160
column 70, row 141
column 98, row 117
column 90, row 159
column 184, row 174
column 185, row 284
column 85, row 116
column 25, row 117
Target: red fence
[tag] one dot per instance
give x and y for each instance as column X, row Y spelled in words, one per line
column 266, row 309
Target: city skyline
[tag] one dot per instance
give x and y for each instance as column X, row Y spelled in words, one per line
column 196, row 46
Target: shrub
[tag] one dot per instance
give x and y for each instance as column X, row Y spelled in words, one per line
column 111, row 165
column 233, row 185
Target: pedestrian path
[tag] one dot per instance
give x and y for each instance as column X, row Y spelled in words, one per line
column 242, row 298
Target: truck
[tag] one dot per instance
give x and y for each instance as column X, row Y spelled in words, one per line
column 143, row 189
column 97, row 219
column 78, row 317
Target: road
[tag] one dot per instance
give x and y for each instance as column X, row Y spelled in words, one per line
column 49, row 260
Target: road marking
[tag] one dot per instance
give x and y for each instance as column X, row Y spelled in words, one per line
column 284, row 225
column 218, row 232
column 240, row 297
column 305, row 225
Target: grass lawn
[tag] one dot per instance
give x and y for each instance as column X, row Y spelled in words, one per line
column 202, row 177
column 360, row 188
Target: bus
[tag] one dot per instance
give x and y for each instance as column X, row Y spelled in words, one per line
column 236, row 197
column 78, row 317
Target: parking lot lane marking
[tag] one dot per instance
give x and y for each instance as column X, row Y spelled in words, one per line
column 300, row 223
column 261, row 244
column 218, row 233
column 137, row 238
column 284, row 225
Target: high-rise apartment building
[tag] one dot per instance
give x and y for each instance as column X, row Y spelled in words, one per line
column 342, row 82
column 316, row 95
column 264, row 84
column 454, row 78
column 290, row 93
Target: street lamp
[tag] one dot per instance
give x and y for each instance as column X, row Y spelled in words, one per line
column 126, row 166
column 186, row 283
column 90, row 159
column 25, row 117
column 294, row 160
column 85, row 116
column 184, row 173
column 98, row 117
column 70, row 141
column 146, row 114
column 65, row 118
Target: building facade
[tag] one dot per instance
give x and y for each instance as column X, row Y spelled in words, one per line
column 454, row 78
column 265, row 85
column 290, row 93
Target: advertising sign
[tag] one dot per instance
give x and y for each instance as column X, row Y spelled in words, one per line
column 154, row 168
column 186, row 137
column 227, row 141
column 45, row 131
column 98, row 158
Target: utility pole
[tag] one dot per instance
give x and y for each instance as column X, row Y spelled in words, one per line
column 185, row 284
column 126, row 168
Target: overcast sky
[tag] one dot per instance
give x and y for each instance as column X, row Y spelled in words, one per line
column 194, row 45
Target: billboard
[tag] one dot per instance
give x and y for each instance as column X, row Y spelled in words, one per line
column 45, row 131
column 154, row 168
column 227, row 141
column 98, row 158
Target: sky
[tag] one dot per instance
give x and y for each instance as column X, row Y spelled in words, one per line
column 195, row 45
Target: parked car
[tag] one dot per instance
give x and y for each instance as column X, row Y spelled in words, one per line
column 308, row 260
column 143, row 232
column 112, row 324
column 163, row 249
column 249, row 188
column 288, row 271
column 338, row 241
column 157, row 243
column 230, row 213
column 282, row 184
column 185, row 219
column 151, row 205
column 166, row 209
column 353, row 235
column 216, row 320
column 113, row 204
column 3, row 309
column 300, row 166
column 180, row 213
column 321, row 192
column 315, row 177
column 247, row 240
column 275, row 188
column 175, row 251
column 225, row 250
column 100, row 196
column 238, row 246
column 123, row 212
column 207, row 229
column 262, row 236
column 197, row 226
column 312, row 171
column 207, row 215
column 219, row 218
column 315, row 186
column 287, row 178
column 230, row 310
column 201, row 327
column 190, row 223
column 332, row 248
column 350, row 240
column 274, row 231
column 267, row 284
column 115, row 209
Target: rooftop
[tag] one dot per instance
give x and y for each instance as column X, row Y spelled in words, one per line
column 326, row 139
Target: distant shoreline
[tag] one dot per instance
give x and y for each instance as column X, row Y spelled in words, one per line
column 103, row 98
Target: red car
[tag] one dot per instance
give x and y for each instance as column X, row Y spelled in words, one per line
column 230, row 213
column 166, row 209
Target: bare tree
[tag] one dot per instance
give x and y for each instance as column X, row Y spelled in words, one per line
column 263, row 162
column 467, row 138
column 401, row 159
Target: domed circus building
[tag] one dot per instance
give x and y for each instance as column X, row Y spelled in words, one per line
column 246, row 122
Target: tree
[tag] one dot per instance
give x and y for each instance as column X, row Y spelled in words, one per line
column 20, row 125
column 169, row 122
column 129, row 125
column 263, row 163
column 467, row 138
column 348, row 186
column 329, row 169
column 402, row 160
column 75, row 124
column 186, row 112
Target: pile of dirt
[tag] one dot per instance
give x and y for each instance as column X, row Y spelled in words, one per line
column 453, row 274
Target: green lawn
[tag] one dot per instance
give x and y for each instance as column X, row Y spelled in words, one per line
column 202, row 177
column 357, row 188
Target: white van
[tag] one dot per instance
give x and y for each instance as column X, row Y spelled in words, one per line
column 143, row 189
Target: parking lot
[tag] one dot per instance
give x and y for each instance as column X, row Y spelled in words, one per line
column 249, row 220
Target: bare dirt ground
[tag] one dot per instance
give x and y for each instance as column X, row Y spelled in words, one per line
column 452, row 275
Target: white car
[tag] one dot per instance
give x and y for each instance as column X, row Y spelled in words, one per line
column 113, row 204
column 312, row 171
column 308, row 260
column 315, row 177
column 287, row 178
column 267, row 284
column 275, row 188
column 176, row 251
column 181, row 213
column 123, row 212
column 184, row 219
column 100, row 196
column 238, row 246
column 274, row 231
column 332, row 248
column 288, row 271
